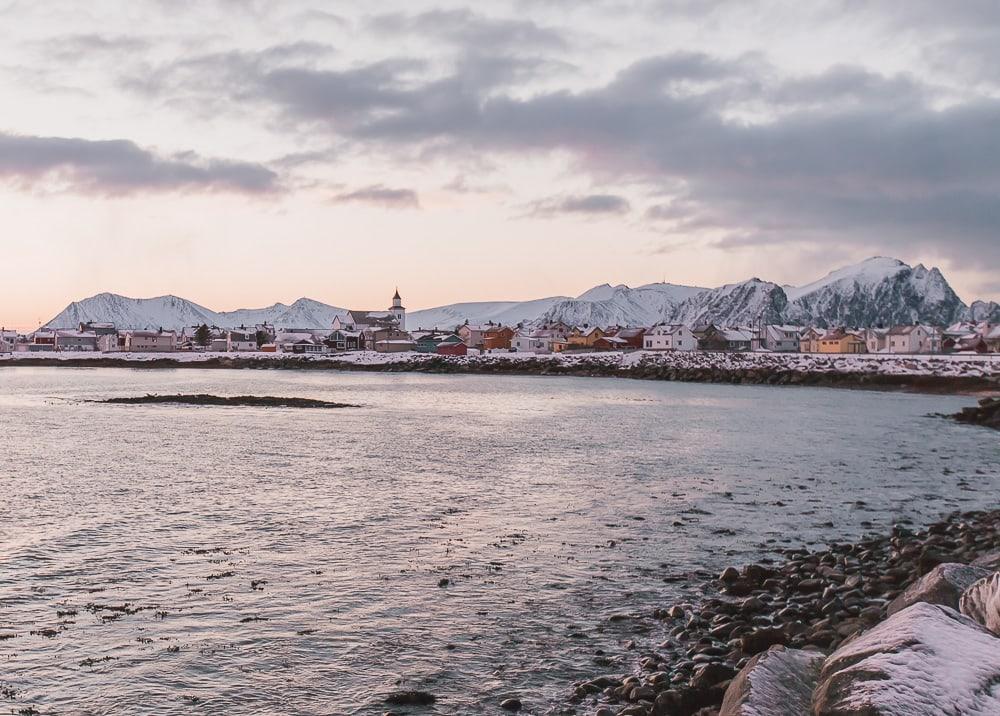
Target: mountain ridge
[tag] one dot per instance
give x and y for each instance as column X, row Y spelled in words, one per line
column 878, row 291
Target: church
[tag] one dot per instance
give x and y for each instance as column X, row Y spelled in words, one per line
column 393, row 317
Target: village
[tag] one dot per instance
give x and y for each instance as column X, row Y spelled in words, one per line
column 387, row 332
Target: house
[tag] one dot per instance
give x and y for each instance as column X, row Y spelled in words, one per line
column 498, row 338
column 876, row 339
column 430, row 342
column 344, row 340
column 67, row 340
column 394, row 345
column 305, row 346
column 150, row 341
column 839, row 340
column 285, row 340
column 584, row 337
column 8, row 339
column 781, row 339
column 239, row 341
column 809, row 340
column 44, row 337
column 539, row 341
column 669, row 337
column 99, row 329
column 633, row 337
column 452, row 348
column 992, row 337
column 738, row 339
column 908, row 339
column 610, row 343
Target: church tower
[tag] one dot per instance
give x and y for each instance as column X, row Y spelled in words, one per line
column 397, row 311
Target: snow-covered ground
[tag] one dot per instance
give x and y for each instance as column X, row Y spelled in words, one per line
column 871, row 364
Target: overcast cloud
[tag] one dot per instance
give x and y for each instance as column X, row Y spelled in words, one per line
column 725, row 125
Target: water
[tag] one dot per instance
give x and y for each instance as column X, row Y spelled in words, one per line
column 549, row 504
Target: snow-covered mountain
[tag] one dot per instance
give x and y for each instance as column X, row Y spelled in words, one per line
column 509, row 313
column 984, row 311
column 878, row 291
column 623, row 306
column 171, row 312
column 735, row 304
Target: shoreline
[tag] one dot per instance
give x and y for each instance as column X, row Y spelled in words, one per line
column 920, row 374
column 809, row 601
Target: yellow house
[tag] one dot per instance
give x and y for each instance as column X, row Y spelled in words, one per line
column 809, row 341
column 584, row 337
column 841, row 341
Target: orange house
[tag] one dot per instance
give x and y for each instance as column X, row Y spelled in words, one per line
column 498, row 338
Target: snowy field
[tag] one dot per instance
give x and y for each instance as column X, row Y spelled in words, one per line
column 933, row 365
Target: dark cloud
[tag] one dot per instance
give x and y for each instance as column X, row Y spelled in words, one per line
column 381, row 196
column 586, row 205
column 117, row 167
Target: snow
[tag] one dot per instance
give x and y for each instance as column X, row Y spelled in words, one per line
column 951, row 365
column 867, row 273
column 504, row 312
column 173, row 312
column 925, row 659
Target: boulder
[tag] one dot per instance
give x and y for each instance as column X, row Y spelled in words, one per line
column 926, row 659
column 981, row 602
column 777, row 682
column 942, row 585
column 990, row 561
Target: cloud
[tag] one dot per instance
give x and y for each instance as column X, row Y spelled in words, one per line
column 469, row 29
column 381, row 196
column 586, row 205
column 119, row 167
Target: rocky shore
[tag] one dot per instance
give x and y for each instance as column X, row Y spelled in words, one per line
column 986, row 413
column 928, row 375
column 900, row 624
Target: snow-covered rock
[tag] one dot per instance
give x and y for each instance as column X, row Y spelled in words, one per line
column 927, row 659
column 777, row 682
column 981, row 602
column 942, row 585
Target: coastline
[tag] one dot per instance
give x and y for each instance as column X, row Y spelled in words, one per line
column 954, row 375
column 802, row 609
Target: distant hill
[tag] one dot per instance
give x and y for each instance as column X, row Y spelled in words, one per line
column 878, row 291
column 172, row 312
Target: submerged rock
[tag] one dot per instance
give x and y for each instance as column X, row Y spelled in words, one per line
column 942, row 585
column 410, row 698
column 925, row 659
column 253, row 401
column 778, row 682
column 981, row 602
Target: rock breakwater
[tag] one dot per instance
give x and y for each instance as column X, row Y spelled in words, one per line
column 810, row 629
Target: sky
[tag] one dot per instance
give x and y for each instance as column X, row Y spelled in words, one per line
column 239, row 153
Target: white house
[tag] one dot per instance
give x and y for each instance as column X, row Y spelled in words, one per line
column 150, row 341
column 533, row 342
column 8, row 339
column 237, row 341
column 909, row 339
column 669, row 337
column 68, row 340
column 782, row 339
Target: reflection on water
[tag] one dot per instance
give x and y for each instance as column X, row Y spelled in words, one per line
column 249, row 560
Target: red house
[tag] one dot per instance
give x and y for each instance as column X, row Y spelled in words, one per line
column 632, row 337
column 452, row 349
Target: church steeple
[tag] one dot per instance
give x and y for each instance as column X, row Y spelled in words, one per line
column 398, row 311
